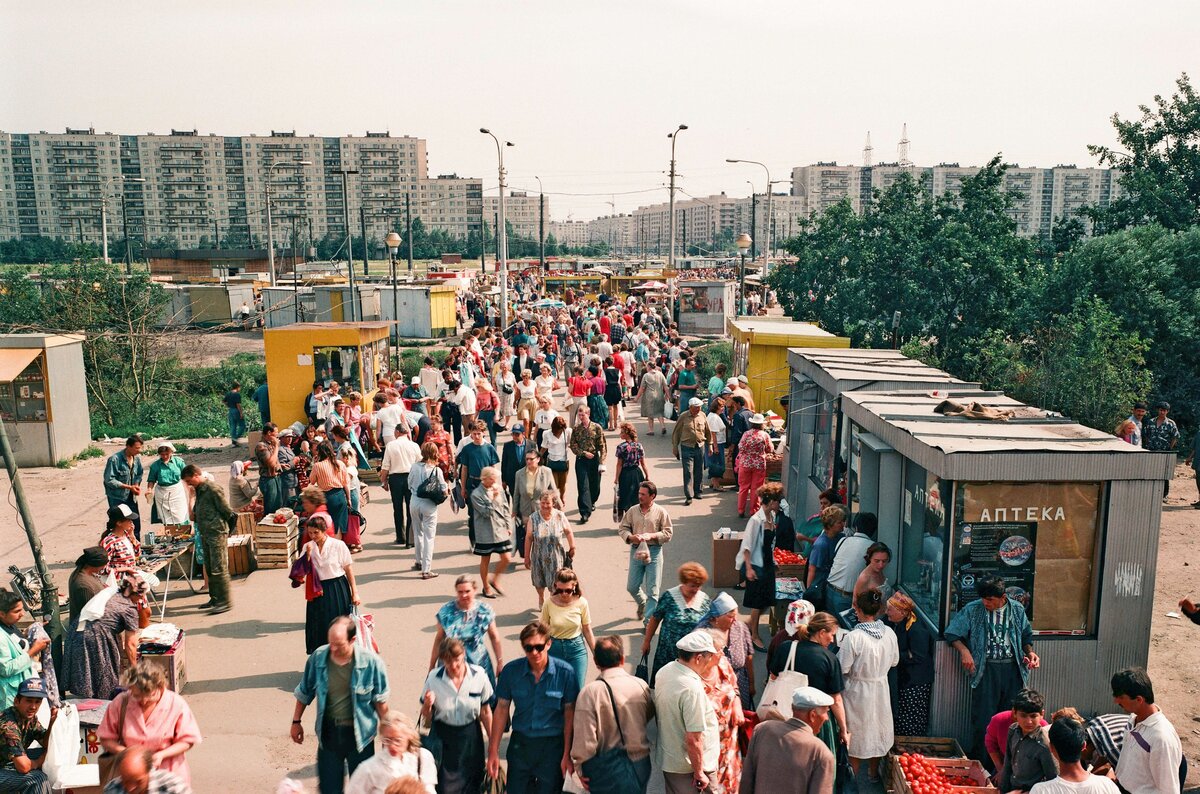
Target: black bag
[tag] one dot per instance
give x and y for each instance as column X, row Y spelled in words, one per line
column 611, row 771
column 844, row 781
column 815, row 592
column 432, row 489
column 556, row 465
column 642, row 670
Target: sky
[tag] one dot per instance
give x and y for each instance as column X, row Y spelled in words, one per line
column 588, row 92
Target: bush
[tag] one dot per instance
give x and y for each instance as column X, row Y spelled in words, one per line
column 709, row 354
column 413, row 358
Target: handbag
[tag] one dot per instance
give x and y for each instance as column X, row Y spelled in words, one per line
column 815, row 592
column 495, row 785
column 642, row 670
column 556, row 465
column 611, row 771
column 432, row 489
column 844, row 781
column 107, row 760
column 364, row 630
column 776, row 703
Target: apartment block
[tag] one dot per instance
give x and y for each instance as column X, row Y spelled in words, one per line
column 569, row 233
column 825, row 184
column 451, row 203
column 616, row 230
column 753, row 218
column 521, row 209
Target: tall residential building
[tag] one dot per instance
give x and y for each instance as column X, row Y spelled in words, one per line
column 825, row 184
column 521, row 209
column 569, row 233
column 787, row 210
column 699, row 222
column 616, row 230
column 451, row 203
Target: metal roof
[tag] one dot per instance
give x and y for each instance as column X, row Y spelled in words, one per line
column 842, row 370
column 1033, row 446
column 777, row 325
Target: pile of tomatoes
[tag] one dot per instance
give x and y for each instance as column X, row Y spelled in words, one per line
column 784, row 557
column 924, row 777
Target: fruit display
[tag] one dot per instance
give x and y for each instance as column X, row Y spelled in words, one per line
column 784, row 557
column 924, row 776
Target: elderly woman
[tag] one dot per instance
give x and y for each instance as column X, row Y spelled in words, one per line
column 866, row 654
column 455, row 707
column 735, row 638
column 96, row 658
column 166, row 488
column 493, row 528
column 149, row 715
column 242, row 492
column 652, row 394
column 720, row 685
column 812, row 657
column 756, row 557
column 567, row 614
column 529, row 484
column 469, row 621
column 912, row 679
column 549, row 542
column 402, row 757
column 677, row 612
column 527, row 400
column 752, row 464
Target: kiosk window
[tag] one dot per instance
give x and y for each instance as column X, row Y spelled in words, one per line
column 1041, row 538
column 822, row 461
column 24, row 399
column 340, row 364
column 923, row 536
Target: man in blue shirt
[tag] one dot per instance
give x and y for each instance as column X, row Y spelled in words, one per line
column 123, row 480
column 544, row 691
column 237, row 422
column 263, row 399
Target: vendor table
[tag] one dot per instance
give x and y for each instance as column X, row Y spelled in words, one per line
column 163, row 558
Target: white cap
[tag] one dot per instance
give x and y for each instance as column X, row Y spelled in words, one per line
column 758, row 419
column 164, row 444
column 808, row 697
column 697, row 642
column 695, row 402
column 731, row 382
column 415, row 380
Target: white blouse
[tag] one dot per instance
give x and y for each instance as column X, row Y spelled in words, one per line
column 330, row 562
column 527, row 392
column 556, row 448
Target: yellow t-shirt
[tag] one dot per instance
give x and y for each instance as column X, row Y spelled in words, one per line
column 566, row 623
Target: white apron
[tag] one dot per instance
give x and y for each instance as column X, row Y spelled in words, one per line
column 172, row 503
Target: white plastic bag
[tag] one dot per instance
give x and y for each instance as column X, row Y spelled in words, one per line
column 62, row 754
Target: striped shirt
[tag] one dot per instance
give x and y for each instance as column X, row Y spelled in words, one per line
column 999, row 647
column 329, row 475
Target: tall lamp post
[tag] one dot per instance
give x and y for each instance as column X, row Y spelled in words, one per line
column 767, row 247
column 743, row 245
column 392, row 241
column 541, row 225
column 125, row 226
column 346, row 172
column 674, row 136
column 104, row 190
column 270, row 234
column 501, row 232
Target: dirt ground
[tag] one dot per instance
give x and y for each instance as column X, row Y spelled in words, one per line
column 208, row 348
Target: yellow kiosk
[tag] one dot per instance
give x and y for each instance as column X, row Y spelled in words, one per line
column 760, row 346
column 297, row 355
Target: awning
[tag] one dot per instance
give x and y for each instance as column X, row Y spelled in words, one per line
column 14, row 360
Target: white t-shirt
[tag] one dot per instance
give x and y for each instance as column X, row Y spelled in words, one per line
column 527, row 392
column 464, row 398
column 431, row 379
column 1093, row 785
column 544, row 385
column 388, row 417
column 717, row 426
column 543, row 419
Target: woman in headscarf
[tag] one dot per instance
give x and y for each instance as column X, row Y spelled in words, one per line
column 166, row 487
column 95, row 671
column 912, row 680
column 722, row 618
column 652, row 394
column 812, row 639
column 241, row 491
column 85, row 582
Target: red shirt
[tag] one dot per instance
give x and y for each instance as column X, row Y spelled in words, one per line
column 605, row 324
column 995, row 739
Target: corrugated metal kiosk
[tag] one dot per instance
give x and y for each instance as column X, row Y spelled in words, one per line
column 1069, row 516
column 704, row 306
column 760, row 346
column 819, row 377
column 43, row 397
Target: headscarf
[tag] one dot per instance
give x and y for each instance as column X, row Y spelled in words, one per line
column 132, row 584
column 92, row 557
column 799, row 612
column 723, row 604
column 237, row 468
column 904, row 604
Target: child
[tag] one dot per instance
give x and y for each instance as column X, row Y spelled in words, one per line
column 1067, row 742
column 1027, row 759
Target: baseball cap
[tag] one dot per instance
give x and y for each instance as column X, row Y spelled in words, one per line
column 119, row 512
column 33, row 688
column 415, row 380
column 518, row 429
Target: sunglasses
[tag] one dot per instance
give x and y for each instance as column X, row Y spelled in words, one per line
column 535, row 648
column 564, row 590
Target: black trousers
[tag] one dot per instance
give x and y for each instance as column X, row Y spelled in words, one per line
column 452, row 421
column 338, row 757
column 534, row 764
column 398, row 488
column 587, row 483
column 472, row 484
column 1000, row 685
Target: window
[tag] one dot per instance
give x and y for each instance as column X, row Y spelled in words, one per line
column 923, row 535
column 822, row 462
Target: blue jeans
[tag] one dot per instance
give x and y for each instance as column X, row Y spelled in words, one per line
column 237, row 425
column 693, row 470
column 645, row 578
column 835, row 602
column 489, row 419
column 575, row 653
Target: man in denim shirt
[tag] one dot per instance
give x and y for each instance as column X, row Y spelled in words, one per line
column 350, row 686
column 123, row 480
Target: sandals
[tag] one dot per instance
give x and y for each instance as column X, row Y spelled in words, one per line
column 430, row 575
column 496, row 587
column 487, row 594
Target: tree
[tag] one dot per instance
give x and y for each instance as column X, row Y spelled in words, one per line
column 551, row 245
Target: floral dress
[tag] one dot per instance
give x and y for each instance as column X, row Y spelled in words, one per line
column 471, row 629
column 723, row 694
column 631, row 454
column 753, row 449
column 676, row 619
column 546, row 553
column 94, row 654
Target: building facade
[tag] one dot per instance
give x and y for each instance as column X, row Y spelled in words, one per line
column 573, row 234
column 522, row 211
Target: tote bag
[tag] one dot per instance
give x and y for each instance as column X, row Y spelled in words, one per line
column 776, row 703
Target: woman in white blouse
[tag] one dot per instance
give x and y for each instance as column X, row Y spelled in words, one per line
column 554, row 444
column 455, row 707
column 402, row 757
column 545, row 383
column 330, row 560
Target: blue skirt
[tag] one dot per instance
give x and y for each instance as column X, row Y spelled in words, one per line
column 599, row 409
column 716, row 463
column 339, row 509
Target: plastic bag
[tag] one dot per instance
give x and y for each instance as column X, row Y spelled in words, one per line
column 364, row 626
column 643, row 552
column 62, row 754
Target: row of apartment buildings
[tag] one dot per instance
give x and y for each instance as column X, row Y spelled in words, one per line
column 190, row 186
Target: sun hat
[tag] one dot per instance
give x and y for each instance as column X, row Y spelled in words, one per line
column 758, row 419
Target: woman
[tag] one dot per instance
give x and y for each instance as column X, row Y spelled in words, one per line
column 486, row 403
column 612, row 392
column 330, row 476
column 722, row 618
column 678, row 611
column 493, row 528
column 151, row 716
column 469, row 621
column 118, row 541
column 454, row 705
column 878, row 556
column 579, row 387
column 1126, row 431
column 714, row 458
column 567, row 614
column 166, row 488
column 866, row 654
column 440, row 438
column 242, row 492
column 595, row 400
column 631, row 468
column 312, row 502
column 16, row 653
column 752, row 464
column 554, row 446
column 403, row 758
column 912, row 691
column 811, row 640
column 756, row 557
column 506, row 389
column 545, row 532
column 85, row 582
column 720, row 684
column 527, row 400
column 353, row 536
column 307, row 443
column 652, row 394
column 528, row 486
column 330, row 559
column 544, row 418
column 545, row 382
column 423, row 513
column 96, row 668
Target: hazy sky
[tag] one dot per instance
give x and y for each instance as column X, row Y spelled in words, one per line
column 589, row 91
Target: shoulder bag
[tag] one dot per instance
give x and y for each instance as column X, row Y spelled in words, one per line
column 107, row 760
column 815, row 592
column 611, row 771
column 776, row 703
column 431, row 488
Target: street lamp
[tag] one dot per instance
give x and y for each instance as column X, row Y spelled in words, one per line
column 270, row 236
column 674, row 136
column 541, row 225
column 767, row 248
column 104, row 190
column 346, row 172
column 502, row 233
column 743, row 243
column 392, row 241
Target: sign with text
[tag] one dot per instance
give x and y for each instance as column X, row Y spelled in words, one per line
column 1003, row 550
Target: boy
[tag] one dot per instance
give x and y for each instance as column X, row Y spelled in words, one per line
column 1028, row 760
column 1066, row 742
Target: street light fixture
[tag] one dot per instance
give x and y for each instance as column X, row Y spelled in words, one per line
column 104, row 190
column 743, row 243
column 674, row 136
column 502, row 232
column 270, row 235
column 346, row 172
column 392, row 241
column 767, row 247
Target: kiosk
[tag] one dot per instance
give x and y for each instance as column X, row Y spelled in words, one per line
column 705, row 306
column 43, row 397
column 760, row 353
column 420, row 311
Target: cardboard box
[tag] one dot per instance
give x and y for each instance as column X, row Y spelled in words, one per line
column 724, row 559
column 242, row 557
column 174, row 664
column 252, row 439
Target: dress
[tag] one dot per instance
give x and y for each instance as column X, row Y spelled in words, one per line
column 595, row 401
column 652, row 394
column 546, row 553
column 471, row 629
column 866, row 655
column 95, row 669
column 612, row 386
column 631, row 454
column 676, row 619
column 723, row 694
column 170, row 721
column 738, row 650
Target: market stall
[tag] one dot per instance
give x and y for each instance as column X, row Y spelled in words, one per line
column 43, row 397
column 705, row 306
column 425, row 310
column 760, row 353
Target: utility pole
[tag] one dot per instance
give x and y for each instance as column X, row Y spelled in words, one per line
column 125, row 234
column 294, row 238
column 346, row 172
column 216, row 229
column 683, row 217
column 80, row 222
column 753, row 224
column 542, row 229
column 362, row 226
column 408, row 229
column 104, row 224
column 674, row 136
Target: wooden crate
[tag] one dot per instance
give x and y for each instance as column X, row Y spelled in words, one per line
column 275, row 544
column 245, row 524
column 951, row 766
column 928, row 746
column 790, row 571
column 242, row 556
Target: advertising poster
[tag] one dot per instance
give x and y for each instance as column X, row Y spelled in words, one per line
column 1000, row 549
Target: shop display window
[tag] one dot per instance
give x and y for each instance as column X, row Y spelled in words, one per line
column 923, row 540
column 822, row 460
column 24, row 399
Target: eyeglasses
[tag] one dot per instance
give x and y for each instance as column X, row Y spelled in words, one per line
column 535, row 648
column 393, row 742
column 564, row 590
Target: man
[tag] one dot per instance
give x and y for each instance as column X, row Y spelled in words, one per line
column 262, row 398
column 648, row 523
column 1160, row 434
column 473, row 456
column 135, row 774
column 213, row 517
column 614, row 695
column 463, row 396
column 995, row 645
column 266, row 452
column 1066, row 744
column 1151, row 752
column 237, row 422
column 743, row 388
column 522, row 360
column 123, row 480
column 688, row 735
column 848, row 563
column 350, row 685
column 20, row 771
column 690, row 439
column 512, row 457
column 588, row 445
column 398, row 458
column 314, row 403
column 448, row 408
column 544, row 691
column 787, row 757
column 687, row 381
column 1137, row 416
column 1193, row 460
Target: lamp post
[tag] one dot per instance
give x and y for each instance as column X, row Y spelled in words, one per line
column 501, row 232
column 346, row 172
column 125, row 226
column 392, row 241
column 270, row 235
column 104, row 190
column 743, row 245
column 767, row 247
column 674, row 136
column 541, row 225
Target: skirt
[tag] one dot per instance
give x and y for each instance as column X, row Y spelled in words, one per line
column 460, row 757
column 912, row 715
column 627, row 487
column 599, row 409
column 488, row 549
column 760, row 594
column 339, row 509
column 716, row 463
column 172, row 504
column 333, row 603
column 612, row 395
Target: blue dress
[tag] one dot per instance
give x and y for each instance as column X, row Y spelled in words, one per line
column 470, row 628
column 676, row 620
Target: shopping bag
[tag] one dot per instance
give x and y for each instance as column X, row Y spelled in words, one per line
column 776, row 703
column 364, row 628
column 495, row 785
column 62, row 753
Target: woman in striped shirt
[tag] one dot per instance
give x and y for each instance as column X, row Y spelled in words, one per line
column 330, row 475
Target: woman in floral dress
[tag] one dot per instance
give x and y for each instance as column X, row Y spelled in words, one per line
column 752, row 465
column 720, row 684
column 94, row 669
column 631, row 468
column 545, row 532
column 469, row 620
column 678, row 612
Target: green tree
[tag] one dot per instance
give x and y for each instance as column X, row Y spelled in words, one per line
column 552, row 246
